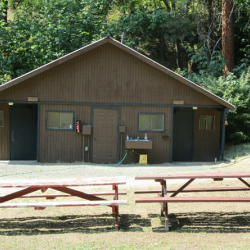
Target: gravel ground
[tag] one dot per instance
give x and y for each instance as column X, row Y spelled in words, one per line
column 30, row 170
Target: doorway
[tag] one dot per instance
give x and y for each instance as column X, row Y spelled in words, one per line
column 23, row 132
column 183, row 128
column 105, row 136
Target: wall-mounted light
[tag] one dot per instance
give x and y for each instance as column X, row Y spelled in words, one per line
column 195, row 108
column 226, row 122
column 11, row 103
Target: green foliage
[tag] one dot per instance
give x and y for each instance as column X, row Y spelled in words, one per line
column 235, row 90
column 153, row 32
column 48, row 31
column 206, row 63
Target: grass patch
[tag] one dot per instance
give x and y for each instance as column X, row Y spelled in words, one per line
column 192, row 226
column 236, row 151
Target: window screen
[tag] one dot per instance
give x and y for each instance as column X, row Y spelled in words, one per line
column 202, row 122
column 151, row 122
column 1, row 118
column 145, row 122
column 210, row 122
column 60, row 120
column 206, row 122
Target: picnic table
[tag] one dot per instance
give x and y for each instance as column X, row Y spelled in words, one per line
column 164, row 197
column 64, row 186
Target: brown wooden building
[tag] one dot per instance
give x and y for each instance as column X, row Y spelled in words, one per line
column 112, row 91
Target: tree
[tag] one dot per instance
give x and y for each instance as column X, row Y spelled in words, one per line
column 228, row 34
column 51, row 30
column 4, row 10
column 155, row 29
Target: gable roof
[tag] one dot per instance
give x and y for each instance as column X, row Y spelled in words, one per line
column 128, row 50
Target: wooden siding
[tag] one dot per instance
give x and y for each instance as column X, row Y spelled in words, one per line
column 160, row 152
column 67, row 146
column 62, row 146
column 207, row 142
column 106, row 74
column 4, row 133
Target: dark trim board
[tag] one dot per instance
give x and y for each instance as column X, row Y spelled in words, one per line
column 38, row 133
column 223, row 133
column 172, row 133
column 116, row 104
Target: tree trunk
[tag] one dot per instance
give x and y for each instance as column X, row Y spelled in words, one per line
column 210, row 24
column 228, row 34
column 178, row 54
column 166, row 4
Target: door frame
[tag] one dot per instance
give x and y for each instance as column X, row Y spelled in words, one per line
column 92, row 127
column 38, row 128
column 172, row 131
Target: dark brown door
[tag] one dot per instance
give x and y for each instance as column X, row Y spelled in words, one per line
column 105, row 136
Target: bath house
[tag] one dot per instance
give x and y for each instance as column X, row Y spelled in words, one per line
column 82, row 107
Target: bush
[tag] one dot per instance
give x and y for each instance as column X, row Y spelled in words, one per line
column 235, row 90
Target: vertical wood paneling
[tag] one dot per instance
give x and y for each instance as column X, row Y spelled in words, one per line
column 4, row 133
column 62, row 146
column 66, row 146
column 207, row 142
column 160, row 152
column 106, row 74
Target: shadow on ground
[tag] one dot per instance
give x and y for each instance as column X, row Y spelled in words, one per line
column 71, row 224
column 179, row 222
column 206, row 222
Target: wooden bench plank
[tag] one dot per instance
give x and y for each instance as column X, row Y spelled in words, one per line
column 53, row 196
column 64, row 204
column 187, row 190
column 202, row 175
column 192, row 199
column 99, row 181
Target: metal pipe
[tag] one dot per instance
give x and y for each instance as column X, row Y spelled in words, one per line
column 172, row 132
column 123, row 36
column 223, row 134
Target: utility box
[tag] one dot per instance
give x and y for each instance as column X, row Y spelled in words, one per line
column 86, row 129
column 122, row 129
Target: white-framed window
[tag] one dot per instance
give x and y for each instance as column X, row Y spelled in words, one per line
column 60, row 120
column 151, row 122
column 206, row 122
column 1, row 118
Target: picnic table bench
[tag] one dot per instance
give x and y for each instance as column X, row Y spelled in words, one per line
column 65, row 187
column 164, row 198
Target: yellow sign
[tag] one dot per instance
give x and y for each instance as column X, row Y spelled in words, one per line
column 180, row 102
column 32, row 99
column 143, row 159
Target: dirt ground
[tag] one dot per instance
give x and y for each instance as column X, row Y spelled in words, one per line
column 192, row 226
